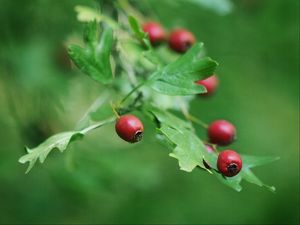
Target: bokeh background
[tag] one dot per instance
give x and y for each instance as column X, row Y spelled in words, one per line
column 104, row 180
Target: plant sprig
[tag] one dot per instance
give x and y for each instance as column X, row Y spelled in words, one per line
column 149, row 74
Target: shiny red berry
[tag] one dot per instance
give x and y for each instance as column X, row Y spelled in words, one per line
column 221, row 132
column 229, row 163
column 129, row 128
column 155, row 31
column 210, row 84
column 181, row 40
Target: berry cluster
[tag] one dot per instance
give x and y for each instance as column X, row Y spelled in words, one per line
column 179, row 40
column 223, row 133
column 220, row 132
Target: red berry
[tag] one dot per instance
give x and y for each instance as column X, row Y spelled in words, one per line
column 129, row 128
column 181, row 40
column 210, row 84
column 155, row 31
column 221, row 132
column 229, row 163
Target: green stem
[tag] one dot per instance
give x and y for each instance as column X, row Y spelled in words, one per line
column 98, row 124
column 131, row 92
column 197, row 121
column 188, row 116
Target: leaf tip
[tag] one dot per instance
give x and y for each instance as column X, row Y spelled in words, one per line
column 77, row 8
column 213, row 61
column 28, row 170
column 31, row 164
column 239, row 189
column 21, row 160
column 28, row 150
column 200, row 44
column 271, row 189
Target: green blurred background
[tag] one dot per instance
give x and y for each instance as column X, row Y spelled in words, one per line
column 104, row 180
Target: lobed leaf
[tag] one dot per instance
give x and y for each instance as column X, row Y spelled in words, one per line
column 138, row 32
column 87, row 14
column 165, row 117
column 188, row 147
column 94, row 58
column 58, row 141
column 190, row 151
column 178, row 77
column 232, row 182
column 222, row 7
column 254, row 161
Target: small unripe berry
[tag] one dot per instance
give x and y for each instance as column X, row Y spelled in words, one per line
column 181, row 40
column 210, row 84
column 155, row 31
column 129, row 128
column 221, row 132
column 229, row 163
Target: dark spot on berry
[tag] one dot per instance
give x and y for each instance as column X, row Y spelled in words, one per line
column 232, row 169
column 138, row 136
column 187, row 45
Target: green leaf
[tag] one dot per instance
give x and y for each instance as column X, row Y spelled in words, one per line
column 94, row 58
column 185, row 88
column 190, row 151
column 87, row 14
column 188, row 148
column 246, row 173
column 59, row 141
column 249, row 176
column 138, row 32
column 222, row 7
column 152, row 57
column 91, row 34
column 178, row 77
column 165, row 117
column 254, row 161
column 232, row 182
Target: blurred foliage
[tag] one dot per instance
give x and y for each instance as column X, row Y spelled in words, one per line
column 102, row 179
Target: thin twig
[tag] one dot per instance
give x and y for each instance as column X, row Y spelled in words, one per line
column 98, row 124
column 114, row 110
column 188, row 116
column 131, row 92
column 197, row 121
